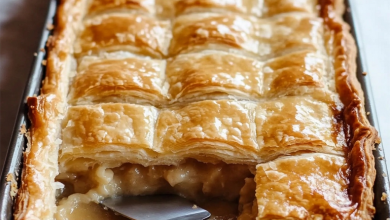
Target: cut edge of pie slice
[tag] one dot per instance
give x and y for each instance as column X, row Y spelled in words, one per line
column 308, row 186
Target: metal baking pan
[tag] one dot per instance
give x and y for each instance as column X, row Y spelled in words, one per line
column 13, row 163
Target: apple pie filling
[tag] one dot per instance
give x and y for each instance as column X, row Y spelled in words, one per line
column 213, row 186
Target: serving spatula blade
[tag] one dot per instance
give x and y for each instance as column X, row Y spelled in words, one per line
column 161, row 207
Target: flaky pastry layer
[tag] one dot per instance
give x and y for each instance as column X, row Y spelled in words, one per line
column 237, row 132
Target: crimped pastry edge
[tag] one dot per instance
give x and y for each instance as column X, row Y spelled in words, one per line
column 362, row 136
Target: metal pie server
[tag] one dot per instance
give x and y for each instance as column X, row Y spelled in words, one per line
column 156, row 207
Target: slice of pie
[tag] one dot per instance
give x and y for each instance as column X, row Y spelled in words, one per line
column 249, row 108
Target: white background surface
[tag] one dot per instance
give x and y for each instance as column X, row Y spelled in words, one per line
column 374, row 22
column 21, row 23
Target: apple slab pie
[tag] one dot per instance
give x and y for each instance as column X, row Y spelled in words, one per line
column 249, row 108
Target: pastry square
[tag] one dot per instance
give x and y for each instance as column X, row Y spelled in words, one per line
column 136, row 33
column 109, row 133
column 97, row 6
column 246, row 35
column 194, row 32
column 309, row 186
column 120, row 79
column 293, row 124
column 213, row 75
column 205, row 130
column 289, row 33
column 297, row 73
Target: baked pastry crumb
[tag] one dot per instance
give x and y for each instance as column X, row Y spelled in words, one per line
column 14, row 185
column 384, row 197
column 50, row 27
column 50, row 41
column 23, row 129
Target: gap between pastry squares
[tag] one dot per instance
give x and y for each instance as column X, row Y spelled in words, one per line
column 249, row 108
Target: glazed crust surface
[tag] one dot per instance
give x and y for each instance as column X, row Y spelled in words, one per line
column 269, row 82
column 312, row 187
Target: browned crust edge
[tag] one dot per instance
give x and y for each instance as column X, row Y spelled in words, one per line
column 361, row 135
column 36, row 195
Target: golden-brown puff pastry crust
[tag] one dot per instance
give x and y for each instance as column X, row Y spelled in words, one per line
column 109, row 133
column 122, row 79
column 36, row 195
column 294, row 124
column 362, row 136
column 329, row 58
column 198, row 76
column 221, row 129
column 245, row 35
column 226, row 130
column 295, row 74
column 137, row 33
column 312, row 186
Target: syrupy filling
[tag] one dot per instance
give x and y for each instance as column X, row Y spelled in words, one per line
column 215, row 187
